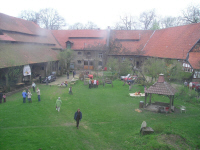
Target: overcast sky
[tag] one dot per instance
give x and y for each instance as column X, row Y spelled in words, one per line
column 102, row 12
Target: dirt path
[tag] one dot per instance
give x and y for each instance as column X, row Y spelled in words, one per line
column 63, row 78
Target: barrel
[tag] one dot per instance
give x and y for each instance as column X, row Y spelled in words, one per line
column 141, row 104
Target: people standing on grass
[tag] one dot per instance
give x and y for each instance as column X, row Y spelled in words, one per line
column 58, row 104
column 190, row 85
column 70, row 90
column 78, row 117
column 95, row 82
column 27, row 93
column 29, row 96
column 4, row 98
column 38, row 93
column 185, row 83
column 73, row 73
column 90, row 83
column 24, row 96
column 47, row 82
column 1, row 96
column 40, row 78
column 33, row 85
column 67, row 74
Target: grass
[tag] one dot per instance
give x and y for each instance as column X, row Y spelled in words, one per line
column 109, row 121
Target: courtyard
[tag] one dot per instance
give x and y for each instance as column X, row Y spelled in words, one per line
column 109, row 120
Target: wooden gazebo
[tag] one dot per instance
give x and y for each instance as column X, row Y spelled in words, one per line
column 163, row 88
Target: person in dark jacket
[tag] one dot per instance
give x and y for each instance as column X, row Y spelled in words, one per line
column 1, row 96
column 78, row 117
column 67, row 74
column 24, row 96
column 40, row 79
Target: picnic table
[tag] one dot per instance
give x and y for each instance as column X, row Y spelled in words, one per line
column 20, row 84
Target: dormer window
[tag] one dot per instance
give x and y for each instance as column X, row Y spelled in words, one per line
column 69, row 44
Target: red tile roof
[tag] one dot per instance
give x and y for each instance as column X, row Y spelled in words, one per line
column 86, row 38
column 161, row 87
column 174, row 42
column 16, row 29
column 131, row 47
column 194, row 59
column 12, row 54
column 5, row 37
column 19, row 25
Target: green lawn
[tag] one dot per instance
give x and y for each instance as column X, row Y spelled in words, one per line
column 109, row 121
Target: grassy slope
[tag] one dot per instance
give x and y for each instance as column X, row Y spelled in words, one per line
column 109, row 121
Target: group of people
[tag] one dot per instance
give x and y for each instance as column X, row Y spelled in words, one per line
column 26, row 94
column 93, row 83
column 77, row 115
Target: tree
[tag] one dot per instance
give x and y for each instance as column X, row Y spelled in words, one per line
column 80, row 26
column 46, row 18
column 112, row 64
column 91, row 25
column 77, row 26
column 127, row 22
column 50, row 19
column 65, row 58
column 153, row 67
column 155, row 25
column 30, row 16
column 171, row 22
column 146, row 18
column 191, row 14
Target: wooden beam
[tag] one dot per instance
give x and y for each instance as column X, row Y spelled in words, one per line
column 145, row 99
column 170, row 104
column 150, row 98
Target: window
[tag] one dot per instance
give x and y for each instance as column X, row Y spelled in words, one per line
column 100, row 63
column 79, row 53
column 68, row 45
column 86, row 63
column 100, row 55
column 88, row 53
column 131, row 59
column 79, row 62
column 123, row 58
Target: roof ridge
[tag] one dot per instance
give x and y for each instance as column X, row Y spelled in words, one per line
column 148, row 40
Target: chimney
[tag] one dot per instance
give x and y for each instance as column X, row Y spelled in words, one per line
column 161, row 78
column 108, row 36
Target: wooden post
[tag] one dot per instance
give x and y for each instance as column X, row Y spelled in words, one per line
column 170, row 104
column 150, row 98
column 173, row 100
column 145, row 99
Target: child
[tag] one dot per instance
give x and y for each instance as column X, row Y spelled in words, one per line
column 70, row 90
column 66, row 83
column 58, row 104
column 29, row 96
column 97, row 83
column 4, row 98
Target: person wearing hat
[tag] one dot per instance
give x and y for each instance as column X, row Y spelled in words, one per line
column 58, row 104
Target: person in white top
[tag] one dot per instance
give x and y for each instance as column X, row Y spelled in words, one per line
column 190, row 85
column 95, row 83
column 38, row 93
column 29, row 96
column 33, row 85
